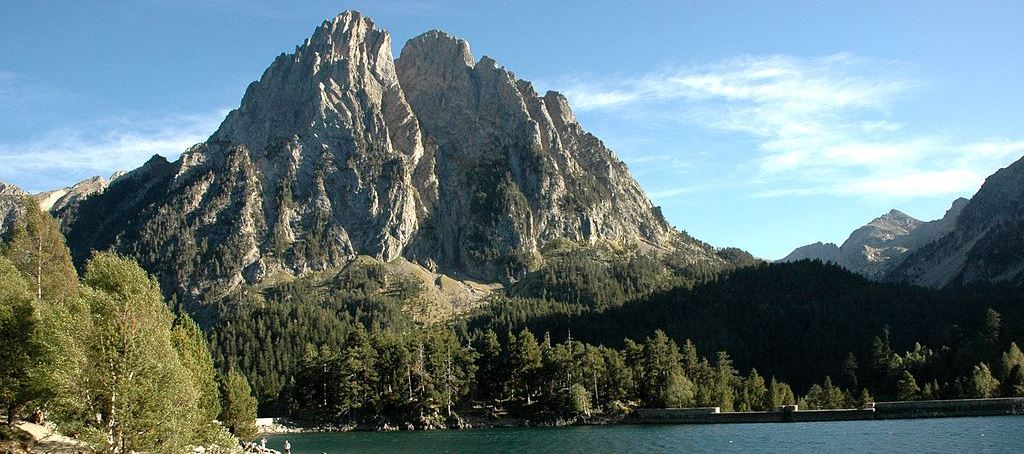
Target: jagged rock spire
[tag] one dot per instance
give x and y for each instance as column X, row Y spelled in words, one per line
column 338, row 150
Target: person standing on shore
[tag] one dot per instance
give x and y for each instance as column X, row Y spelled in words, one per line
column 263, row 444
column 287, row 447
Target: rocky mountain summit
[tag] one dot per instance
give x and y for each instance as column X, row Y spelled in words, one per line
column 980, row 240
column 59, row 199
column 340, row 151
column 824, row 252
column 985, row 243
column 10, row 204
column 877, row 247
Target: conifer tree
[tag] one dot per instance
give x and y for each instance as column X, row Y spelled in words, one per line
column 815, row 398
column 633, row 356
column 665, row 384
column 906, row 387
column 1013, row 357
column 1015, row 382
column 677, row 391
column 864, row 398
column 489, row 365
column 992, row 327
column 755, row 393
column 929, row 391
column 358, row 370
column 781, row 394
column 983, row 384
column 619, row 380
column 579, row 399
column 393, row 373
column 238, row 412
column 524, row 363
column 314, row 393
column 450, row 366
column 725, row 382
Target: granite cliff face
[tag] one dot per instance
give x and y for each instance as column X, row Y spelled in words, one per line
column 514, row 168
column 985, row 244
column 11, row 198
column 876, row 248
column 340, row 151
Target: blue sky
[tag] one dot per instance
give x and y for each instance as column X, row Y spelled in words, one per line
column 762, row 125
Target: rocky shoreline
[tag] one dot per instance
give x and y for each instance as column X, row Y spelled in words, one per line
column 275, row 426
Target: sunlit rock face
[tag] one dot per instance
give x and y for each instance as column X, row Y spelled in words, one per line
column 514, row 168
column 986, row 243
column 878, row 247
column 11, row 198
column 339, row 150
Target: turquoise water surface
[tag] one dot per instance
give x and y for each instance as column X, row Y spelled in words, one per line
column 974, row 435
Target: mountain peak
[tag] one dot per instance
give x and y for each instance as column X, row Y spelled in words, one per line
column 349, row 16
column 339, row 150
column 344, row 35
column 59, row 199
column 954, row 210
column 10, row 205
column 896, row 215
column 438, row 48
column 558, row 107
column 895, row 222
column 8, row 190
column 825, row 252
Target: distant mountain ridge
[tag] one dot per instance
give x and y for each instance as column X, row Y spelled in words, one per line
column 53, row 201
column 59, row 199
column 823, row 252
column 875, row 248
column 977, row 240
column 340, row 151
column 986, row 243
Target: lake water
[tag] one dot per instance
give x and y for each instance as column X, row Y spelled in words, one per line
column 975, row 435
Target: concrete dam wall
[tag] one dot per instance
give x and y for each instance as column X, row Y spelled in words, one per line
column 791, row 413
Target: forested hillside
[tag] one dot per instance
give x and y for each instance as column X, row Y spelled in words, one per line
column 800, row 321
column 816, row 326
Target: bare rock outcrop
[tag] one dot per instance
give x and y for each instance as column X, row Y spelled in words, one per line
column 985, row 243
column 515, row 169
column 60, row 199
column 339, row 151
column 878, row 247
column 11, row 198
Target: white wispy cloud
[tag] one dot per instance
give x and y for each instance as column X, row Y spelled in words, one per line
column 821, row 126
column 64, row 155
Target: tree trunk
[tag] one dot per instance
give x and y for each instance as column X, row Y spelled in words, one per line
column 13, row 410
column 39, row 269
